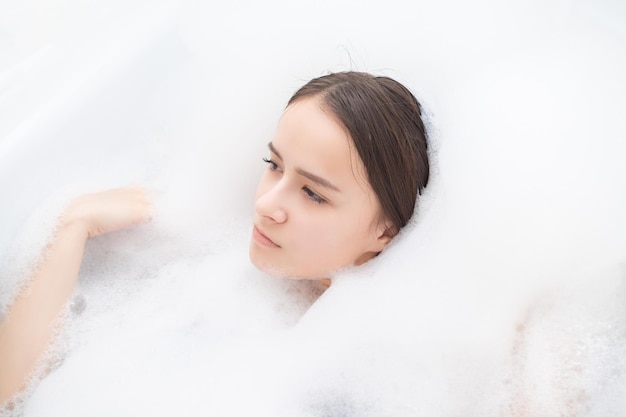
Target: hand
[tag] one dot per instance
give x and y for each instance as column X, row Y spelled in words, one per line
column 107, row 211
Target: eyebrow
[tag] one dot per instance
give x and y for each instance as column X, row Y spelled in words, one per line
column 316, row 179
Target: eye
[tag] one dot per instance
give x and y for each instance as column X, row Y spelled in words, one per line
column 273, row 165
column 314, row 196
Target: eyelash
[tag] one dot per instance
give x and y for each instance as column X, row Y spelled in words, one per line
column 312, row 195
column 273, row 165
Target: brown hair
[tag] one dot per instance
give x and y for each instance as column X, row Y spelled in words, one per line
column 384, row 121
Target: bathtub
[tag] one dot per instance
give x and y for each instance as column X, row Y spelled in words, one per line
column 504, row 293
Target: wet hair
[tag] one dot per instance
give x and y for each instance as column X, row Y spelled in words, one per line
column 384, row 120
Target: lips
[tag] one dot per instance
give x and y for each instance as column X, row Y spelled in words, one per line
column 260, row 238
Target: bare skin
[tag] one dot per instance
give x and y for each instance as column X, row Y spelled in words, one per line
column 28, row 327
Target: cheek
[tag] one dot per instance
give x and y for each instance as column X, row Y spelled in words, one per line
column 328, row 236
column 311, row 238
column 353, row 234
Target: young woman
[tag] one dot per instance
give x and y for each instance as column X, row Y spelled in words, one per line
column 345, row 167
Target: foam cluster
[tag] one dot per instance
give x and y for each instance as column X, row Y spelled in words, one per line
column 503, row 296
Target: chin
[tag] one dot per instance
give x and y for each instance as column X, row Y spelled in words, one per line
column 272, row 269
column 264, row 265
column 279, row 271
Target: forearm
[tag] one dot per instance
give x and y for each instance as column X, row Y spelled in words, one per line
column 27, row 329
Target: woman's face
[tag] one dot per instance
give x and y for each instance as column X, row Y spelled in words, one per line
column 315, row 211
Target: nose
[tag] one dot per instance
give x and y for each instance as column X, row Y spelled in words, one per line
column 270, row 205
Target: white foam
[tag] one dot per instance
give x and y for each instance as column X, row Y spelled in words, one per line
column 503, row 295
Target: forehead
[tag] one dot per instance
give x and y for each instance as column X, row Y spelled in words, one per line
column 308, row 124
column 311, row 138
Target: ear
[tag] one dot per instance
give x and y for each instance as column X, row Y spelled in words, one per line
column 386, row 232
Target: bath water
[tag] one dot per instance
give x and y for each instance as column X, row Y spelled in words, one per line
column 504, row 296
